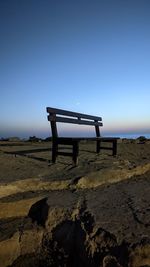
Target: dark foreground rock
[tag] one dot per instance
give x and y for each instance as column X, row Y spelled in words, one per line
column 108, row 226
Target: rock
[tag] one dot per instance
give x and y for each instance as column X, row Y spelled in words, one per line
column 9, row 250
column 110, row 261
column 92, row 228
column 140, row 253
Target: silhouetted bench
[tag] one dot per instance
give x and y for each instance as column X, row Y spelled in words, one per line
column 59, row 115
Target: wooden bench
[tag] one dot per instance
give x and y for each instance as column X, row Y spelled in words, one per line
column 59, row 115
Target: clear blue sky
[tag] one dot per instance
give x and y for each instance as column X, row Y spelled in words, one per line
column 87, row 56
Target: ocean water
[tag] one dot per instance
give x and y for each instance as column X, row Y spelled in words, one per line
column 128, row 135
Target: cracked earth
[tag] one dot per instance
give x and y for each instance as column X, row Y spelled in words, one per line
column 96, row 214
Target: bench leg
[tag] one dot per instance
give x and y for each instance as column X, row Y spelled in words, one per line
column 98, row 144
column 54, row 151
column 75, row 153
column 114, row 147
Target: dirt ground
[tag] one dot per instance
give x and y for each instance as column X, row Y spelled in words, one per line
column 113, row 191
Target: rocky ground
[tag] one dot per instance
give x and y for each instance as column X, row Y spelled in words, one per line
column 96, row 214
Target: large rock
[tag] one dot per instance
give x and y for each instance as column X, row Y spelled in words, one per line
column 106, row 226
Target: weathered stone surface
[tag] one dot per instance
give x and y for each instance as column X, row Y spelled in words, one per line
column 108, row 226
column 9, row 250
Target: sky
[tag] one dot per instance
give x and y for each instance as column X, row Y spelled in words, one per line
column 86, row 56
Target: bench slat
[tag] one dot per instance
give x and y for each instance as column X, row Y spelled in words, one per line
column 72, row 114
column 74, row 121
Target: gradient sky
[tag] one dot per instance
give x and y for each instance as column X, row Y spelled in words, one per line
column 87, row 56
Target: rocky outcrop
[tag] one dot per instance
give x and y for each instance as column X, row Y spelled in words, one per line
column 107, row 227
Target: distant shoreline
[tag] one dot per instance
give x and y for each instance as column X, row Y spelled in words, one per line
column 121, row 136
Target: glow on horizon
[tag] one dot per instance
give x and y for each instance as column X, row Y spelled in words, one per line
column 73, row 130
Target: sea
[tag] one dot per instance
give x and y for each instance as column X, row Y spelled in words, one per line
column 128, row 135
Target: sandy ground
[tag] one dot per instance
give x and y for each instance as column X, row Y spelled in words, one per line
column 27, row 176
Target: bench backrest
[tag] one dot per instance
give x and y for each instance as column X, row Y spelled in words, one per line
column 60, row 115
